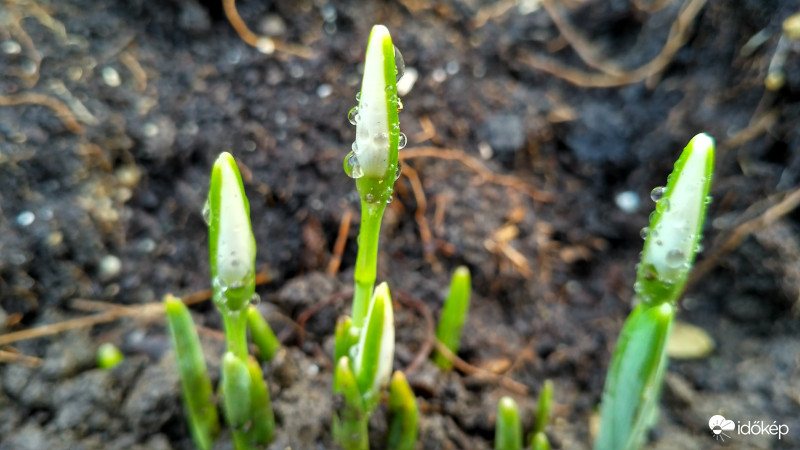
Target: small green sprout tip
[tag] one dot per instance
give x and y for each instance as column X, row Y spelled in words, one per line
column 543, row 408
column 350, row 418
column 231, row 245
column 375, row 348
column 262, row 334
column 454, row 314
column 403, row 414
column 195, row 384
column 676, row 228
column 108, row 356
column 236, row 390
column 508, row 430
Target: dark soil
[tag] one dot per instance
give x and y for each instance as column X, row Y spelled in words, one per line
column 108, row 208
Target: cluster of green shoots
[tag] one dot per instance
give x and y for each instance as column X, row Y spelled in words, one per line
column 364, row 344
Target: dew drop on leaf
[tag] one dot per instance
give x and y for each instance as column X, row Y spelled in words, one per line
column 207, row 213
column 657, row 193
column 352, row 115
column 352, row 167
column 402, row 140
column 399, row 64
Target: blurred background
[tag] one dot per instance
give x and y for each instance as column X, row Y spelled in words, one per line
column 536, row 130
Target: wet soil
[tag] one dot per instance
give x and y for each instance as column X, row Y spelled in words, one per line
column 113, row 113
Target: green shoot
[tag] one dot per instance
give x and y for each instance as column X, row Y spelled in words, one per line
column 263, row 420
column 196, row 386
column 403, row 414
column 454, row 314
column 236, row 390
column 108, row 356
column 373, row 162
column 350, row 418
column 636, row 372
column 537, row 436
column 231, row 250
column 375, row 349
column 508, row 430
column 262, row 334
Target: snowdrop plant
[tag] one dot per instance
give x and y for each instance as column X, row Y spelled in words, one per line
column 364, row 349
column 636, row 371
column 243, row 391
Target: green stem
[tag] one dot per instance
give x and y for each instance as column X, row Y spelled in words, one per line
column 367, row 259
column 235, row 323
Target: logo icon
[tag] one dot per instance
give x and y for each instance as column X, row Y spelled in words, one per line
column 719, row 425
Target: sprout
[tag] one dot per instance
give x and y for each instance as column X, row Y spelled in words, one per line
column 108, row 356
column 375, row 348
column 231, row 246
column 403, row 414
column 677, row 225
column 508, row 430
column 454, row 314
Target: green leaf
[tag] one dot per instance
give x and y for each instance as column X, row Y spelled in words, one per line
column 263, row 420
column 262, row 334
column 349, row 418
column 236, row 387
column 508, row 430
column 195, row 384
column 403, row 414
column 375, row 351
column 634, row 379
column 454, row 314
column 543, row 408
column 676, row 226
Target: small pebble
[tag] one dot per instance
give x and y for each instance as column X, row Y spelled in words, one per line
column 25, row 218
column 627, row 201
column 11, row 47
column 110, row 267
column 111, row 76
column 689, row 342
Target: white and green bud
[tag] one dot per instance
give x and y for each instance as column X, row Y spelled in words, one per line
column 676, row 227
column 374, row 352
column 232, row 246
column 373, row 160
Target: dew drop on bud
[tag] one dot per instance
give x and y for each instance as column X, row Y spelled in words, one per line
column 352, row 115
column 657, row 193
column 402, row 140
column 255, row 299
column 352, row 167
column 207, row 213
column 675, row 258
column 390, row 199
column 358, row 96
column 354, row 147
column 709, row 199
column 643, row 232
column 370, row 198
column 399, row 64
column 399, row 104
column 398, row 171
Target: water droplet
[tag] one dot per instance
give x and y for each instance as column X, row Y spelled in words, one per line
column 398, row 171
column 354, row 147
column 390, row 199
column 659, row 242
column 657, row 193
column 399, row 64
column 358, row 96
column 255, row 299
column 402, row 140
column 709, row 199
column 699, row 248
column 381, row 139
column 352, row 115
column 25, row 218
column 352, row 167
column 662, row 205
column 370, row 198
column 675, row 258
column 643, row 232
column 399, row 104
column 207, row 213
